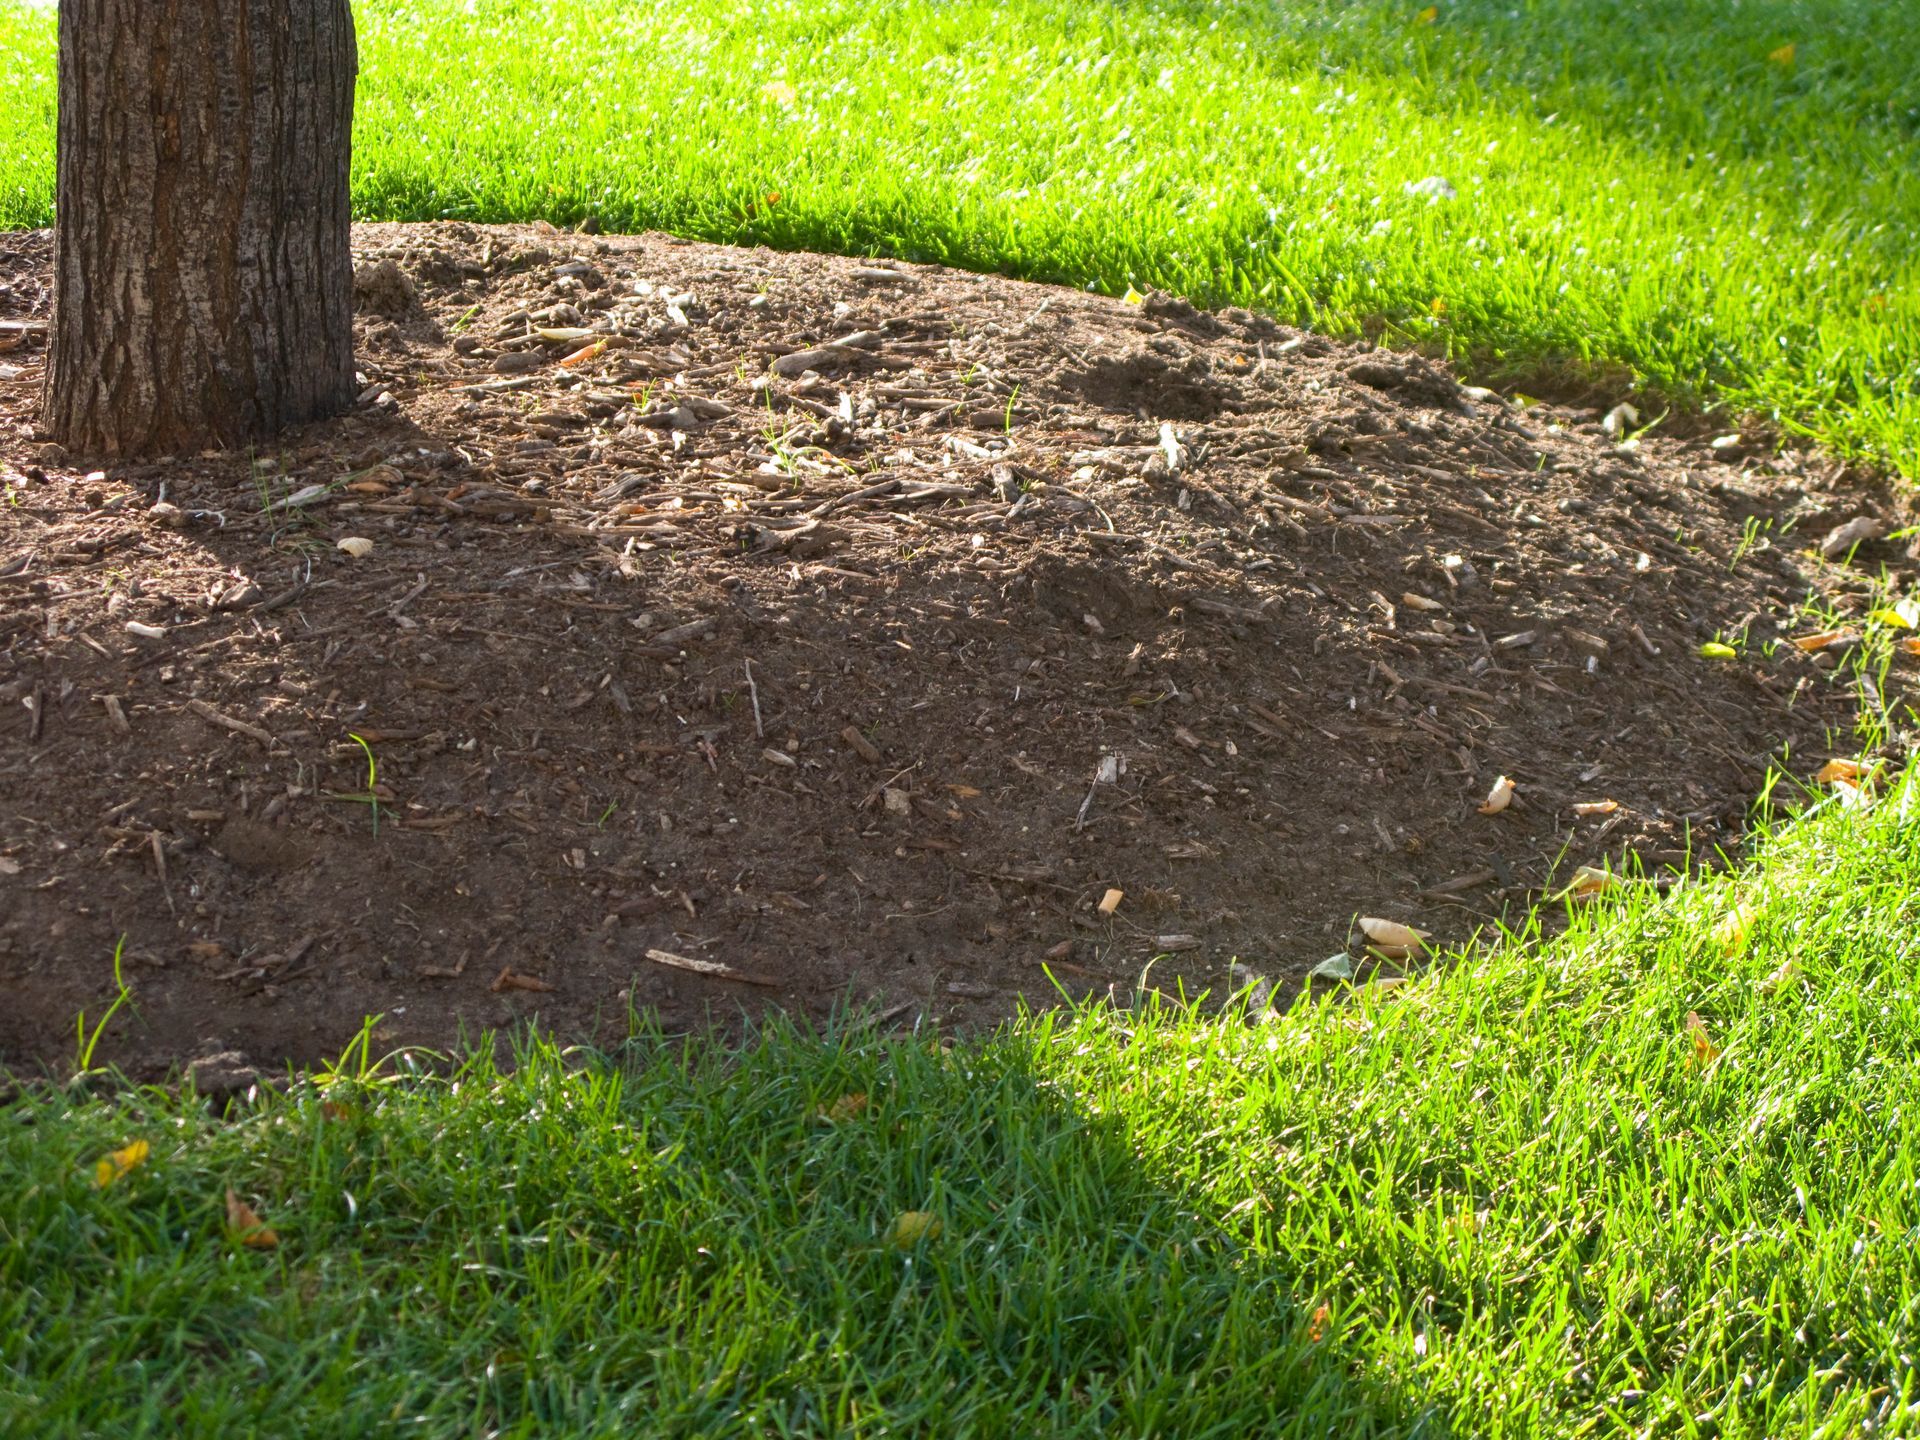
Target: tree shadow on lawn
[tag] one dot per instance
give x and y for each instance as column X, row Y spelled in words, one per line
column 699, row 1239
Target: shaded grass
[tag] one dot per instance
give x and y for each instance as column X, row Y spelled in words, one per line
column 1512, row 1197
column 1642, row 193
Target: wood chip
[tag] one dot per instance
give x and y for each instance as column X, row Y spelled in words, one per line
column 860, row 745
column 508, row 980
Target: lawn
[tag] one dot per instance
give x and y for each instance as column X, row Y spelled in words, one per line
column 1715, row 201
column 1652, row 1176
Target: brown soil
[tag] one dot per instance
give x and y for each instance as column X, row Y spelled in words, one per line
column 812, row 677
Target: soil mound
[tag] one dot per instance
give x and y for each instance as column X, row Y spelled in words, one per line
column 743, row 628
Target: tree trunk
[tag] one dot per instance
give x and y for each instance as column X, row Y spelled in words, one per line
column 203, row 290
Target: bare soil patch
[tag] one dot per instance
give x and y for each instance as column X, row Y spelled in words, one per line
column 843, row 633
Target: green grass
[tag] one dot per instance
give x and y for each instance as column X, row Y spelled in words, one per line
column 1505, row 1199
column 1640, row 188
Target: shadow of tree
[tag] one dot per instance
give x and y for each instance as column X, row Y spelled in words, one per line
column 699, row 1234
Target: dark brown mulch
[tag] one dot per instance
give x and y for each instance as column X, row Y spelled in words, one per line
column 864, row 682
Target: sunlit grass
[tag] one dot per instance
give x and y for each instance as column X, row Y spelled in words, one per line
column 1640, row 191
column 1522, row 1194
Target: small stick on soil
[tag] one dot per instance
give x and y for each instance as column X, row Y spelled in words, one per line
column 444, row 972
column 227, row 722
column 753, row 693
column 712, row 968
column 160, row 864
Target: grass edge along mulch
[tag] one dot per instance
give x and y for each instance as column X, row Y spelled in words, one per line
column 1648, row 1175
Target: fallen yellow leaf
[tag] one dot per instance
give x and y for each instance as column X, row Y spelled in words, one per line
column 111, row 1167
column 1499, row 797
column 1782, row 56
column 1391, row 938
column 584, row 354
column 1588, row 881
column 1838, row 770
column 1822, row 639
column 1318, row 1324
column 247, row 1227
column 910, row 1227
column 1705, row 1052
column 845, row 1108
column 1133, row 297
column 1427, row 16
column 1731, row 933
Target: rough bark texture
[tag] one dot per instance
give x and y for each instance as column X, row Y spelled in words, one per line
column 203, row 288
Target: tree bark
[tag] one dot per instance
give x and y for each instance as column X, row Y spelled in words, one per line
column 203, row 271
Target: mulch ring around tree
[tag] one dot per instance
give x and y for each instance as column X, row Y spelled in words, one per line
column 687, row 629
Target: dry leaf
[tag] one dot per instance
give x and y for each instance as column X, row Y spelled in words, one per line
column 1731, row 933
column 1850, row 795
column 910, row 1227
column 1823, row 639
column 1391, row 938
column 1858, row 531
column 1783, row 56
column 564, row 335
column 1499, row 797
column 1596, row 807
column 1427, row 16
column 110, row 1167
column 1911, row 645
column 1901, row 615
column 357, row 546
column 964, row 792
column 1588, row 882
column 1705, row 1052
column 584, row 354
column 1415, row 601
column 1318, row 1326
column 845, row 1108
column 1110, row 901
column 1133, row 297
column 247, row 1227
column 1838, row 770
column 1775, row 981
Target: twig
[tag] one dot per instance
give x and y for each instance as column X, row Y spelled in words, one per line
column 753, row 692
column 227, row 722
column 160, row 864
column 713, row 968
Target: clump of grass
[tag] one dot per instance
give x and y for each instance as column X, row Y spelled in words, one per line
column 1650, row 1176
column 1718, row 203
